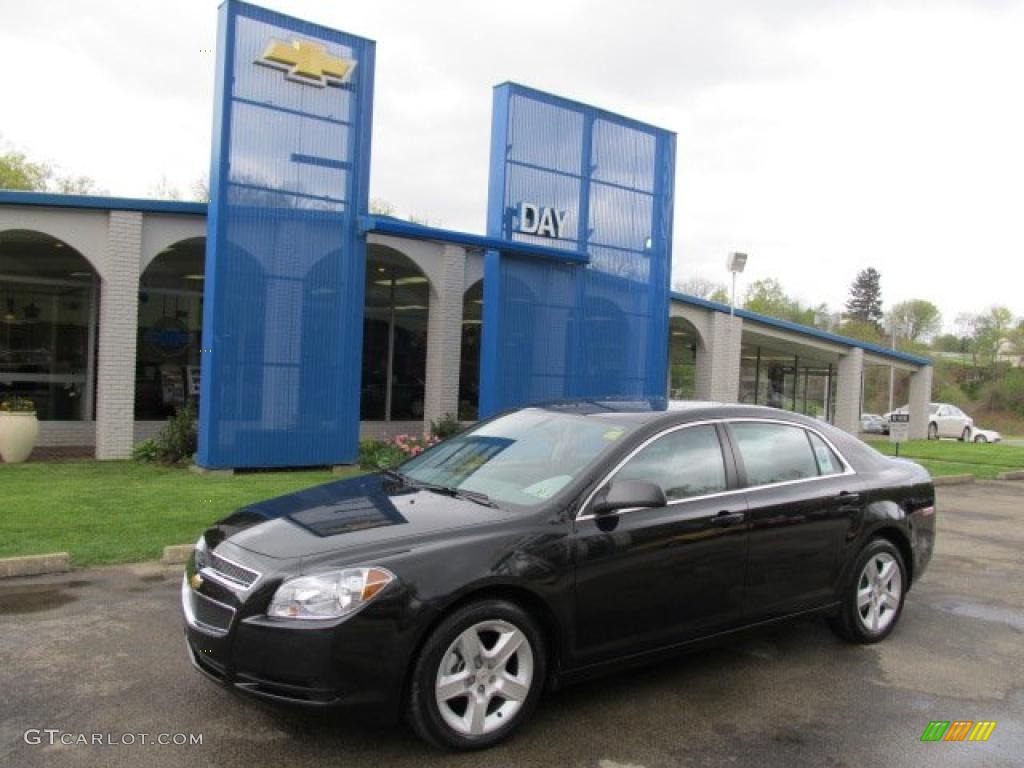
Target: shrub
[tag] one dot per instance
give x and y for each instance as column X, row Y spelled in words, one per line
column 176, row 442
column 445, row 427
column 384, row 454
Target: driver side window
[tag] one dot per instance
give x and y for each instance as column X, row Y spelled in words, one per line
column 684, row 463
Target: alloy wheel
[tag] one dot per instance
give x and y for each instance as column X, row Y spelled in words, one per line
column 879, row 590
column 484, row 678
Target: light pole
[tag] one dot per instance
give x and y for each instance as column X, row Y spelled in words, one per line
column 735, row 263
column 892, row 368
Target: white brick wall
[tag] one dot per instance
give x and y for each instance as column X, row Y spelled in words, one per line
column 718, row 361
column 920, row 397
column 444, row 337
column 848, row 389
column 119, row 300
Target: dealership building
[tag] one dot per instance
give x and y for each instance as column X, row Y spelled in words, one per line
column 299, row 321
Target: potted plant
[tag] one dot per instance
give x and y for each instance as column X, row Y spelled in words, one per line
column 19, row 429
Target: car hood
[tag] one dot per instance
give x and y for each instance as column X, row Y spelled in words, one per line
column 369, row 510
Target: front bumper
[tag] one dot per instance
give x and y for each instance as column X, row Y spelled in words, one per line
column 358, row 662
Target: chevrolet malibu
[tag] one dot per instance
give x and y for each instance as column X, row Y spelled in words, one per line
column 546, row 546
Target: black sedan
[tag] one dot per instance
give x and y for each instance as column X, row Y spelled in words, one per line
column 548, row 545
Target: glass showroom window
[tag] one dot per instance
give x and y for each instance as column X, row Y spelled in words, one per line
column 394, row 338
column 48, row 319
column 170, row 331
column 784, row 380
column 469, row 363
column 682, row 355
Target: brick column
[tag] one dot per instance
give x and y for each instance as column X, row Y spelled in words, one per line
column 119, row 308
column 444, row 337
column 718, row 361
column 848, row 390
column 920, row 397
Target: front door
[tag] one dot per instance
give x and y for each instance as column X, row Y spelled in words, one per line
column 647, row 578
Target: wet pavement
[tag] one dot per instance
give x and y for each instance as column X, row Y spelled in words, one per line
column 101, row 652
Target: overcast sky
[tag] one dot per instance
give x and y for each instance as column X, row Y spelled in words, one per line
column 820, row 136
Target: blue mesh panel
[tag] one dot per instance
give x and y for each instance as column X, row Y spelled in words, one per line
column 283, row 305
column 553, row 329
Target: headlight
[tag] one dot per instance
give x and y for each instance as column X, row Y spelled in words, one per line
column 202, row 558
column 328, row 595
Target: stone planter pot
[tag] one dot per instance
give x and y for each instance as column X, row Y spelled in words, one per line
column 18, row 433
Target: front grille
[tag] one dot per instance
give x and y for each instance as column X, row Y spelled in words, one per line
column 244, row 577
column 211, row 613
column 225, row 571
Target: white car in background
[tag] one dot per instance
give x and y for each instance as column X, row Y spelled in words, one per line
column 944, row 420
column 979, row 435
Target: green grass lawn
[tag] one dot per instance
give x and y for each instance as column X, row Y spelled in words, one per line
column 949, row 457
column 120, row 511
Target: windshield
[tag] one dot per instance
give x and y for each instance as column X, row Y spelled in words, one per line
column 523, row 458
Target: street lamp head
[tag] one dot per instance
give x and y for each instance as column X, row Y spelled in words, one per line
column 735, row 262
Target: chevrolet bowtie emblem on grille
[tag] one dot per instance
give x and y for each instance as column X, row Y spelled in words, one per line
column 196, row 581
column 307, row 62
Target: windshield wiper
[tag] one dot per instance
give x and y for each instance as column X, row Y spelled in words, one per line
column 459, row 493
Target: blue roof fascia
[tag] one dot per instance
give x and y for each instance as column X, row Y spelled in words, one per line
column 387, row 225
column 804, row 330
column 95, row 202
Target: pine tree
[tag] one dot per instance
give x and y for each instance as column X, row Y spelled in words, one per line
column 865, row 302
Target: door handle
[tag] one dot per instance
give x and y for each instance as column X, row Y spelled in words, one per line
column 725, row 518
column 846, row 498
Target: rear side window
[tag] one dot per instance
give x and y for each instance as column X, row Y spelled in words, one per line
column 774, row 453
column 685, row 463
column 828, row 462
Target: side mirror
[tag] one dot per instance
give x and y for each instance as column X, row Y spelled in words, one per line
column 627, row 494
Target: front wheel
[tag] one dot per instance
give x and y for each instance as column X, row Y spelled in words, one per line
column 478, row 677
column 873, row 598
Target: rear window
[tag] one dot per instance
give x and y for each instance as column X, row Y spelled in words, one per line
column 774, row 453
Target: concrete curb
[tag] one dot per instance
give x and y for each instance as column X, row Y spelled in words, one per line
column 176, row 554
column 1013, row 474
column 35, row 565
column 953, row 480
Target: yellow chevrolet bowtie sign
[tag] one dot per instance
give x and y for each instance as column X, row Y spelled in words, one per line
column 307, row 62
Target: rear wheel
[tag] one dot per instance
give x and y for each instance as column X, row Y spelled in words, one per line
column 478, row 677
column 873, row 598
column 933, row 431
column 980, row 439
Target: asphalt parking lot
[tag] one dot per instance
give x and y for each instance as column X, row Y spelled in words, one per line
column 101, row 651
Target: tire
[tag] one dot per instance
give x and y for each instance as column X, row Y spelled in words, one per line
column 933, row 431
column 965, row 436
column 498, row 699
column 980, row 439
column 872, row 599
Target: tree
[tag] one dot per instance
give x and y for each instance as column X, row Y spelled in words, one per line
column 767, row 297
column 989, row 332
column 915, row 320
column 381, row 207
column 865, row 302
column 702, row 288
column 18, row 172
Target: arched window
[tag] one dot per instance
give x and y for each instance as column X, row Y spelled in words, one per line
column 170, row 330
column 394, row 337
column 469, row 362
column 48, row 320
column 682, row 359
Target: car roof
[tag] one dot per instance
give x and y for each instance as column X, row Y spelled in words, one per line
column 660, row 410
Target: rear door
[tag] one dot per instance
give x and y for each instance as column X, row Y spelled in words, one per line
column 647, row 578
column 803, row 505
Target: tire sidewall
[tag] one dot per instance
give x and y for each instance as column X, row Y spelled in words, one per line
column 423, row 705
column 857, row 630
